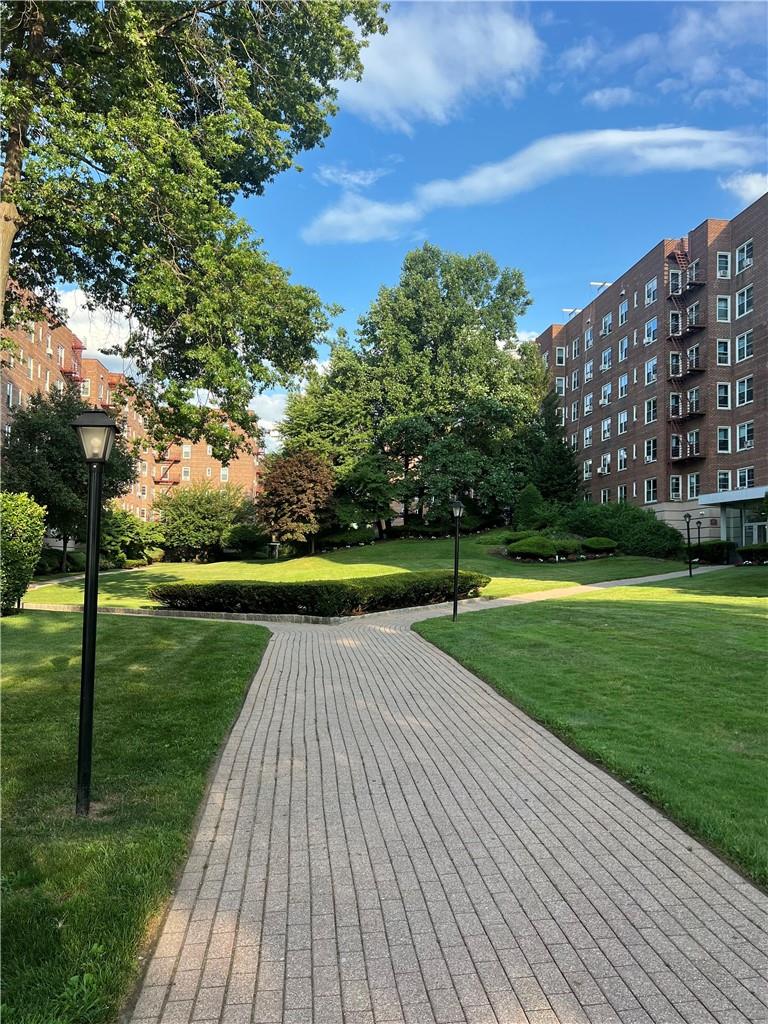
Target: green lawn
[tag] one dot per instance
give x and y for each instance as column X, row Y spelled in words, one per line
column 508, row 577
column 665, row 685
column 80, row 894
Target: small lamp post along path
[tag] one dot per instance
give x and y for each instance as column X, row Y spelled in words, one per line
column 698, row 539
column 458, row 511
column 687, row 518
column 96, row 431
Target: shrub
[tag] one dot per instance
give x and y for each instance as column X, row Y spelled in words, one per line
column 22, row 528
column 125, row 536
column 637, row 531
column 532, row 547
column 599, row 545
column 714, row 552
column 49, row 561
column 754, row 552
column 565, row 546
column 155, row 554
column 134, row 563
column 338, row 538
column 245, row 538
column 516, row 535
column 325, row 598
column 529, row 511
column 196, row 519
column 76, row 561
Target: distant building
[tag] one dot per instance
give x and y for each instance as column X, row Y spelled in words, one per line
column 663, row 379
column 49, row 355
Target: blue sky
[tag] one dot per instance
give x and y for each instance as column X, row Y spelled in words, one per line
column 565, row 139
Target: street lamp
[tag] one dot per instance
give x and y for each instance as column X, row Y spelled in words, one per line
column 687, row 518
column 97, row 432
column 458, row 511
column 698, row 539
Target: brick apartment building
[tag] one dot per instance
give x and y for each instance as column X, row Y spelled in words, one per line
column 48, row 355
column 663, row 380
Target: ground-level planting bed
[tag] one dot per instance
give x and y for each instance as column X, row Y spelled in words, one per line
column 478, row 554
column 663, row 684
column 80, row 894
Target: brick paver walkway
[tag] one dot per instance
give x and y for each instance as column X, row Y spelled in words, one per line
column 388, row 840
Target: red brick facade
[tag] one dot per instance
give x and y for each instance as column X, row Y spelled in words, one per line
column 664, row 374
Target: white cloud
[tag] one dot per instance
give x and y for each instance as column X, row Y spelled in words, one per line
column 747, row 187
column 340, row 174
column 610, row 151
column 270, row 408
column 97, row 329
column 435, row 56
column 607, row 99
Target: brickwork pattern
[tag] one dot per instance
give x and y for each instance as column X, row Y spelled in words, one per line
column 388, row 841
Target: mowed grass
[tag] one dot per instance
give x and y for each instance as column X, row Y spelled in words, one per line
column 665, row 685
column 129, row 589
column 80, row 895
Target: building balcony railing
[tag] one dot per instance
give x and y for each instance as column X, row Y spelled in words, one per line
column 162, row 481
column 696, row 282
column 687, row 453
column 695, row 325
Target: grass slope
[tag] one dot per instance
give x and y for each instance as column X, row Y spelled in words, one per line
column 477, row 553
column 80, row 894
column 665, row 685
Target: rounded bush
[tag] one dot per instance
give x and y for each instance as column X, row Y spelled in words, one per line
column 599, row 545
column 754, row 553
column 22, row 528
column 532, row 547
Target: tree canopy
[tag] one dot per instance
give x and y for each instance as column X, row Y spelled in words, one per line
column 130, row 128
column 296, row 489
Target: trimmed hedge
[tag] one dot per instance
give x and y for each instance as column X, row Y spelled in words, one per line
column 599, row 545
column 325, row 598
column 754, row 553
column 339, row 538
column 532, row 547
column 565, row 546
column 516, row 535
column 637, row 531
column 714, row 552
column 22, row 528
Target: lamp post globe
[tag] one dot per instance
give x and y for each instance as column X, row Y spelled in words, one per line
column 457, row 508
column 687, row 518
column 96, row 432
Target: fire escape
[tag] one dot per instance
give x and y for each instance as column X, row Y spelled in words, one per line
column 685, row 442
column 165, row 478
column 73, row 372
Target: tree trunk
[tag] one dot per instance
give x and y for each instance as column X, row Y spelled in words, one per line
column 311, row 543
column 64, row 543
column 29, row 39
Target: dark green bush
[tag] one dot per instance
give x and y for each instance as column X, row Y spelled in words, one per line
column 599, row 545
column 530, row 512
column 637, row 531
column 516, row 535
column 339, row 538
column 22, row 528
column 532, row 547
column 245, row 538
column 565, row 546
column 714, row 552
column 325, row 598
column 76, row 561
column 155, row 554
column 49, row 561
column 134, row 563
column 754, row 552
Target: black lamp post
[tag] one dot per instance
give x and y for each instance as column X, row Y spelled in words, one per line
column 96, row 431
column 687, row 518
column 698, row 538
column 458, row 511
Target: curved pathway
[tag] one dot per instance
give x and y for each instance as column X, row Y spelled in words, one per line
column 387, row 840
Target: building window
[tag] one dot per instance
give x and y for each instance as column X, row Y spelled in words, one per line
column 186, row 451
column 745, row 436
column 723, row 479
column 606, row 360
column 588, row 370
column 723, row 265
column 560, row 386
column 224, row 474
column 9, row 395
column 744, row 303
column 142, row 513
column 723, row 352
column 723, row 440
column 47, row 380
column 605, row 495
column 545, row 358
column 607, row 324
column 694, row 400
column 744, row 256
column 576, row 347
column 675, row 364
column 651, row 410
column 560, row 356
column 621, row 493
column 575, row 380
column 651, row 367
column 650, row 291
column 208, row 450
column 48, row 345
column 675, row 488
column 651, row 449
column 623, row 385
column 693, row 314
column 675, row 404
column 605, row 393
column 587, row 404
column 587, row 437
column 693, row 272
column 723, row 396
column 694, row 442
column 623, row 311
column 621, row 458
column 60, row 355
column 143, row 490
column 745, row 477
column 675, row 282
column 675, row 324
column 588, row 469
column 575, row 442
column 605, row 429
column 574, row 411
column 651, row 491
column 651, row 331
column 588, row 338
column 143, row 467
column 694, row 360
column 561, row 417
column 723, row 309
column 623, row 349
column 622, row 421
column 744, row 347
column 744, row 390
column 208, row 471
column 694, row 485
column 186, row 473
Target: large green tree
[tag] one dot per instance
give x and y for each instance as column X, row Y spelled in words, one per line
column 129, row 129
column 435, row 388
column 196, row 520
column 42, row 456
column 296, row 490
column 551, row 461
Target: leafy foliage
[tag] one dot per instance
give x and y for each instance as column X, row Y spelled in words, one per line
column 22, row 528
column 324, row 598
column 636, row 530
column 754, row 552
column 530, row 509
column 551, row 461
column 123, row 536
column 599, row 545
column 131, row 128
column 533, row 547
column 43, row 458
column 196, row 520
column 716, row 552
column 296, row 489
